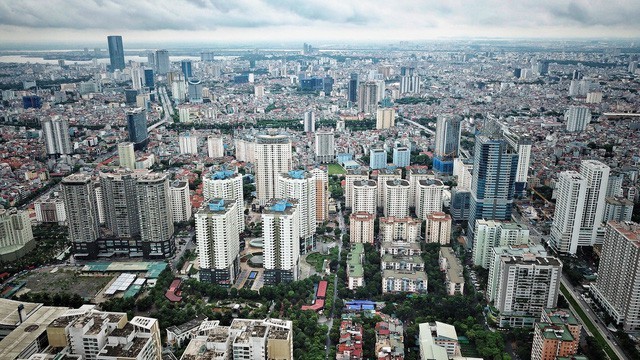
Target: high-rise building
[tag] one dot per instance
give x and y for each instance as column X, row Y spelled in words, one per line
column 156, row 221
column 245, row 150
column 570, row 199
column 491, row 234
column 149, row 79
column 163, row 64
column 225, row 184
column 82, row 214
column 429, row 197
column 397, row 199
column 218, row 242
column 137, row 127
column 215, row 146
column 494, row 174
column 577, row 118
column 400, row 229
column 281, row 234
column 616, row 288
column 56, row 136
column 180, row 201
column 385, row 118
column 351, row 176
column 309, row 121
column 447, row 145
column 377, row 159
column 321, row 179
column 16, row 236
column 301, row 186
column 596, row 175
column 522, row 145
column 409, row 81
column 522, row 282
column 438, row 228
column 368, row 97
column 414, row 175
column 325, row 148
column 618, row 209
column 120, row 205
column 401, row 156
column 185, row 65
column 116, row 52
column 353, row 88
column 361, row 227
column 364, row 196
column 50, row 209
column 273, row 157
column 381, row 176
column 195, row 89
column 188, row 143
column 126, row 155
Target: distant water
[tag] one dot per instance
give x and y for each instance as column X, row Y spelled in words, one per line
column 39, row 60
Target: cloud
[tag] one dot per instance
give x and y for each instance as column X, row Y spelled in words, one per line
column 317, row 17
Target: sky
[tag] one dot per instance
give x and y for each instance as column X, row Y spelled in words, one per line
column 345, row 21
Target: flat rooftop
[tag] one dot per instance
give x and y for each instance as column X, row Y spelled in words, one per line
column 29, row 331
column 9, row 311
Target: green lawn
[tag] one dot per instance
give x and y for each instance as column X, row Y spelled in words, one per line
column 317, row 260
column 587, row 322
column 335, row 169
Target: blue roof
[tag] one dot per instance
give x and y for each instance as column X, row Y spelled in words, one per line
column 216, row 205
column 280, row 206
column 297, row 174
column 221, row 174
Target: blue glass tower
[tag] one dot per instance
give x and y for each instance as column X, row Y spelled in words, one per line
column 116, row 52
column 149, row 79
column 186, row 68
column 494, row 174
column 137, row 126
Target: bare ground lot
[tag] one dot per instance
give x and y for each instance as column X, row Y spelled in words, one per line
column 65, row 281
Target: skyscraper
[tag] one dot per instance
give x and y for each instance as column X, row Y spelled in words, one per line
column 409, row 81
column 597, row 176
column 438, row 228
column 188, row 143
column 126, row 155
column 225, row 184
column 364, row 196
column 448, row 129
column 361, row 227
column 120, row 205
column 385, row 118
column 156, row 221
column 616, row 288
column 522, row 145
column 351, row 176
column 215, row 146
column 491, row 234
column 493, row 183
column 180, row 201
column 281, row 234
column 163, row 64
column 56, row 136
column 353, row 88
column 325, row 146
column 397, row 198
column 300, row 185
column 429, row 197
column 186, row 68
column 16, row 235
column 137, row 126
column 570, row 199
column 195, row 90
column 368, row 97
column 382, row 176
column 321, row 178
column 416, row 174
column 82, row 214
column 218, row 242
column 116, row 52
column 273, row 157
column 577, row 118
column 149, row 79
column 401, row 156
column 309, row 121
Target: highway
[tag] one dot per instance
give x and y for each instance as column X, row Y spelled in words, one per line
column 418, row 125
column 166, row 105
column 343, row 230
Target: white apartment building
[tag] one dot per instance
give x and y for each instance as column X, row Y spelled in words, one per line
column 361, row 227
column 215, row 146
column 273, row 157
column 416, row 174
column 577, row 118
column 180, row 201
column 491, row 234
column 384, row 175
column 50, row 210
column 429, row 197
column 281, row 234
column 156, row 220
column 301, row 186
column 218, row 242
column 188, row 143
column 400, row 229
column 245, row 150
column 364, row 196
column 397, row 198
column 325, row 148
column 351, row 176
column 438, row 228
column 570, row 199
column 225, row 184
column 126, row 155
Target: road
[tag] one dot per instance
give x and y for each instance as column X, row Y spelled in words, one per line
column 418, row 125
column 606, row 334
column 168, row 109
column 343, row 230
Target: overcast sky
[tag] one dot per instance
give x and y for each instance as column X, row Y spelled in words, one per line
column 158, row 21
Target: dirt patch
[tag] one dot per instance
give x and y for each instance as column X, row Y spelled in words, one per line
column 65, row 281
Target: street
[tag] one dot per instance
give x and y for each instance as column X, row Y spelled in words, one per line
column 343, row 230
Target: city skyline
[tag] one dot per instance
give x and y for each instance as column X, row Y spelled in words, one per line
column 196, row 21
